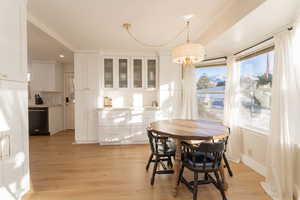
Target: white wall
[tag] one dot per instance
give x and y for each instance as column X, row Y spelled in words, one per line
column 254, row 154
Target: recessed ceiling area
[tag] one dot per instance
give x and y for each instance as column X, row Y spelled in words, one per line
column 43, row 47
column 97, row 24
column 263, row 22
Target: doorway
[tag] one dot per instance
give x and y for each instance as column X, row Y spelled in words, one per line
column 69, row 101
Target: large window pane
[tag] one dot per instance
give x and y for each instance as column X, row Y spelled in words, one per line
column 255, row 91
column 210, row 92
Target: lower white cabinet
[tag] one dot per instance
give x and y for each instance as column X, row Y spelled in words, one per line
column 14, row 165
column 56, row 119
column 124, row 126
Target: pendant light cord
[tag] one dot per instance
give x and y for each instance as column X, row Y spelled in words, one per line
column 127, row 27
column 188, row 32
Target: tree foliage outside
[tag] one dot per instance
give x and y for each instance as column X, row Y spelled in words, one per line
column 264, row 80
column 204, row 82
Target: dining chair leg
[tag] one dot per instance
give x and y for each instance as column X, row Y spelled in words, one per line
column 149, row 162
column 170, row 164
column 227, row 165
column 220, row 185
column 206, row 176
column 180, row 175
column 154, row 170
column 195, row 188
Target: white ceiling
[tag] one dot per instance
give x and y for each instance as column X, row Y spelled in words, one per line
column 97, row 24
column 272, row 16
column 43, row 47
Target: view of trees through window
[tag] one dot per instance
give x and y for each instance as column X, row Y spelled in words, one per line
column 210, row 92
column 255, row 91
column 254, row 97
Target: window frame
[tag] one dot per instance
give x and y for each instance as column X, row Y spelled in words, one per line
column 210, row 65
column 246, row 57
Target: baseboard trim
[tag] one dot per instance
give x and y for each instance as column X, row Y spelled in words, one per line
column 256, row 166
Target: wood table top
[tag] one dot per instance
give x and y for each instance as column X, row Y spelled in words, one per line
column 189, row 129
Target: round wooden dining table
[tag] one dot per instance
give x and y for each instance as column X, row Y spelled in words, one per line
column 181, row 130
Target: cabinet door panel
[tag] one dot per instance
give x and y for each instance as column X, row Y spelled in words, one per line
column 87, row 73
column 151, row 73
column 13, row 40
column 137, row 73
column 14, row 124
column 81, row 72
column 123, row 73
column 108, row 73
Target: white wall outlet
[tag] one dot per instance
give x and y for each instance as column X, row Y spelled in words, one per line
column 5, row 147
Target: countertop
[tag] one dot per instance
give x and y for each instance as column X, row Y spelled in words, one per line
column 43, row 105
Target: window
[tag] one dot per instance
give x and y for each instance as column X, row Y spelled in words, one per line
column 210, row 92
column 255, row 91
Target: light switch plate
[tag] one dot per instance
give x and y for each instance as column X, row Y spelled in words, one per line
column 5, row 147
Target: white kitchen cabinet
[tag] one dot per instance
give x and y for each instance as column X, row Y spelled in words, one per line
column 125, row 125
column 14, row 169
column 87, row 85
column 13, row 40
column 87, row 71
column 47, row 77
column 152, row 73
column 138, row 72
column 56, row 119
column 14, row 125
column 86, row 117
column 130, row 72
column 123, row 72
column 109, row 73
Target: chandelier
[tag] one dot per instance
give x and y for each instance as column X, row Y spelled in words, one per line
column 188, row 53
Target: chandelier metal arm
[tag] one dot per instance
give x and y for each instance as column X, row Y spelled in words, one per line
column 127, row 27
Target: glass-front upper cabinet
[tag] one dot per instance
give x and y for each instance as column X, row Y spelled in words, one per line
column 108, row 73
column 151, row 73
column 137, row 73
column 123, row 73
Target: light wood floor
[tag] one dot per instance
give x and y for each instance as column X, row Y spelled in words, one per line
column 61, row 170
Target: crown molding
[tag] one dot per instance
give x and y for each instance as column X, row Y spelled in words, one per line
column 48, row 31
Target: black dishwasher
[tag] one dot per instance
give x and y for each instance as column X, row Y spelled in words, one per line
column 38, row 121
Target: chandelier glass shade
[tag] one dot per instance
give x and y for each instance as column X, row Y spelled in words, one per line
column 188, row 53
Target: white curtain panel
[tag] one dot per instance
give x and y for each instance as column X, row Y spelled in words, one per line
column 231, row 109
column 285, row 122
column 189, row 94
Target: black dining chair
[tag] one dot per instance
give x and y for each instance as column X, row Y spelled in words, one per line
column 162, row 150
column 205, row 158
column 224, row 155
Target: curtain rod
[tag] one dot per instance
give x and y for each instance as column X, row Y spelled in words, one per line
column 259, row 43
column 211, row 59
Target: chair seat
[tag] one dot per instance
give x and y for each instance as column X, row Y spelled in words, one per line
column 199, row 160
